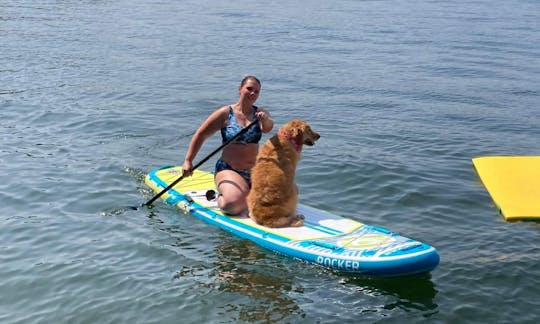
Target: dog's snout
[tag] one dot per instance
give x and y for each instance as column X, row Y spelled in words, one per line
column 314, row 134
column 311, row 137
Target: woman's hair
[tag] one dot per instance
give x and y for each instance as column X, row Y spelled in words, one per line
column 249, row 77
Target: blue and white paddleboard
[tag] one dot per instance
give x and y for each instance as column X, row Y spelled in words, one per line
column 328, row 240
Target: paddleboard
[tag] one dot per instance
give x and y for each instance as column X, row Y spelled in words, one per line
column 327, row 240
column 513, row 183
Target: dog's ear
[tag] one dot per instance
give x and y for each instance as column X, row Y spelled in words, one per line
column 297, row 129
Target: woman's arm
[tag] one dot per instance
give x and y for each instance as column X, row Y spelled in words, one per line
column 212, row 124
column 266, row 122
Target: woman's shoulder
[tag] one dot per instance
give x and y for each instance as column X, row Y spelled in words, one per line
column 220, row 115
column 221, row 111
column 224, row 109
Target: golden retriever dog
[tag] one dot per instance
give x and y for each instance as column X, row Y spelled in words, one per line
column 273, row 196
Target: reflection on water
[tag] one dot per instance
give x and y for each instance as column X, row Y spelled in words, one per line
column 411, row 292
column 273, row 287
column 240, row 269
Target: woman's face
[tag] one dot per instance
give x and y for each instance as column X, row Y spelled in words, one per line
column 250, row 90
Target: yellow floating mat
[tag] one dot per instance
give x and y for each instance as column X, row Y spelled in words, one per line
column 513, row 183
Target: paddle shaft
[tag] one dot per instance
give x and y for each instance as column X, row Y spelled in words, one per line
column 245, row 129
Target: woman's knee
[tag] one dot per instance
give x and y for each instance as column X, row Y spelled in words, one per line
column 233, row 191
column 232, row 205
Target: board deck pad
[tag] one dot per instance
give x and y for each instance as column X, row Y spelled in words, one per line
column 328, row 240
column 513, row 183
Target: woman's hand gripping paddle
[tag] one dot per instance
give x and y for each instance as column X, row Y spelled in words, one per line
column 245, row 129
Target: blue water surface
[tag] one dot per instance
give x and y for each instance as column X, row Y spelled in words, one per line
column 95, row 94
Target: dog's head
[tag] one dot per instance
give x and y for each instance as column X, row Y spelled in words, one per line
column 301, row 132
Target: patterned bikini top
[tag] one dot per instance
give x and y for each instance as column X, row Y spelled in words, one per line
column 253, row 134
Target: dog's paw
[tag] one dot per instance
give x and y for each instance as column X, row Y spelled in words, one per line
column 298, row 220
column 297, row 223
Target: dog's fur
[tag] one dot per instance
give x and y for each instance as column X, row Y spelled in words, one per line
column 273, row 196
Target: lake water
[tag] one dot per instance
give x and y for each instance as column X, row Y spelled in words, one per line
column 95, row 94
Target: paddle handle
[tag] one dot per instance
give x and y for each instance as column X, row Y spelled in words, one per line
column 245, row 129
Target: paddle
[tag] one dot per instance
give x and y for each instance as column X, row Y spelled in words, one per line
column 245, row 129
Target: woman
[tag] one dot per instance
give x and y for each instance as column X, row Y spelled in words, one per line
column 232, row 173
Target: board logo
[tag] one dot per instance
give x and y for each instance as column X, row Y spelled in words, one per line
column 366, row 241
